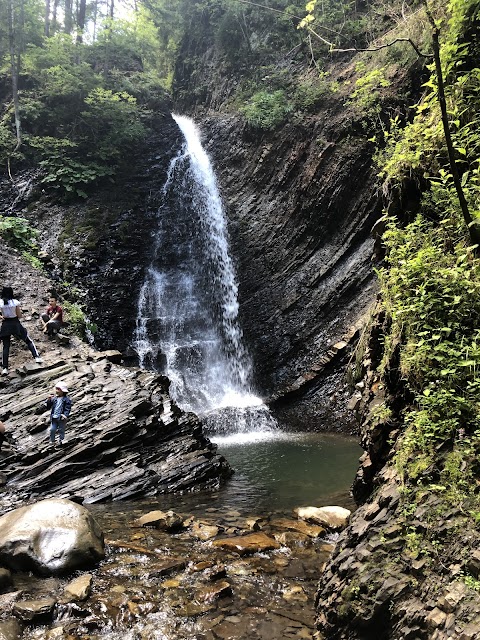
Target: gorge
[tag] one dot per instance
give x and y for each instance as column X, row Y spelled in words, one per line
column 348, row 303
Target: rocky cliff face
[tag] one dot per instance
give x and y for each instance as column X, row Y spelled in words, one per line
column 98, row 249
column 301, row 205
column 408, row 564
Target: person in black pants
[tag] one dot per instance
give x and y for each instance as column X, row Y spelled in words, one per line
column 11, row 326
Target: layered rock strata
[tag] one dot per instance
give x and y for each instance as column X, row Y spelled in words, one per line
column 408, row 564
column 125, row 437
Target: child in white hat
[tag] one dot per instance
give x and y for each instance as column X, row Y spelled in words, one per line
column 60, row 406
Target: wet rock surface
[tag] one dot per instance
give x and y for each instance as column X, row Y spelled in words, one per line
column 154, row 583
column 125, row 436
column 50, row 537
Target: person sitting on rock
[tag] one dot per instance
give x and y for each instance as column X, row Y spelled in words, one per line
column 60, row 406
column 52, row 319
column 11, row 326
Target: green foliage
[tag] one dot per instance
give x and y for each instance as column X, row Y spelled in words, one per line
column 61, row 170
column 111, row 122
column 431, row 279
column 267, row 110
column 341, row 22
column 366, row 95
column 18, row 233
column 75, row 317
column 310, row 94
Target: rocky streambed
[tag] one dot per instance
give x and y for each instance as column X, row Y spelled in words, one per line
column 217, row 575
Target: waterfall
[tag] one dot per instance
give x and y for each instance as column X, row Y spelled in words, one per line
column 187, row 323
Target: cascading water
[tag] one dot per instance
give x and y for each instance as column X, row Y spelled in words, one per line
column 188, row 307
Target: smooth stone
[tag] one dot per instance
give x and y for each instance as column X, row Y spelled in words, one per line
column 51, row 537
column 204, row 531
column 80, row 588
column 30, row 610
column 165, row 567
column 10, row 629
column 251, row 543
column 292, row 538
column 215, row 591
column 254, row 524
column 164, row 520
column 331, row 517
column 294, row 593
column 310, row 530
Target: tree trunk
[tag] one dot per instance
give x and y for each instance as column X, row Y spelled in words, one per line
column 46, row 29
column 14, row 69
column 472, row 226
column 68, row 16
column 82, row 8
column 54, row 24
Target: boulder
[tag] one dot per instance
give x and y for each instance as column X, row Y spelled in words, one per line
column 330, row 517
column 204, row 531
column 34, row 610
column 50, row 537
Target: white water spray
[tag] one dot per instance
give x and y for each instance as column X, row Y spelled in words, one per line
column 188, row 307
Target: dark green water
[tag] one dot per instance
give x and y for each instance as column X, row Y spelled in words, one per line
column 285, row 470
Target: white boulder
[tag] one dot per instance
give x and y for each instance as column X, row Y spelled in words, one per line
column 50, row 537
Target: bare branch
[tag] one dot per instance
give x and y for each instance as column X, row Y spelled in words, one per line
column 421, row 54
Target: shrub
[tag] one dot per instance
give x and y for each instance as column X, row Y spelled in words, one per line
column 18, row 233
column 267, row 110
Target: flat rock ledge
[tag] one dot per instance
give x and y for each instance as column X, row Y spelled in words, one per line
column 125, row 437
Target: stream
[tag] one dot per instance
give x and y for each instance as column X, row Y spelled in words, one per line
column 155, row 585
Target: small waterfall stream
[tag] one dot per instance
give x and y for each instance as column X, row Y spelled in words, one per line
column 187, row 323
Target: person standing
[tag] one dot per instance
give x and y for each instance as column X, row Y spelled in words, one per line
column 2, row 434
column 11, row 326
column 52, row 319
column 60, row 406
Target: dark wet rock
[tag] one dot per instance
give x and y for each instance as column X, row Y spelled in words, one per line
column 5, row 579
column 165, row 567
column 10, row 629
column 473, row 563
column 250, row 543
column 125, row 437
column 164, row 520
column 79, row 588
column 50, row 537
column 34, row 610
column 215, row 573
column 7, row 600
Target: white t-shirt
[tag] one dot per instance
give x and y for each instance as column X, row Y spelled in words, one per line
column 9, row 309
